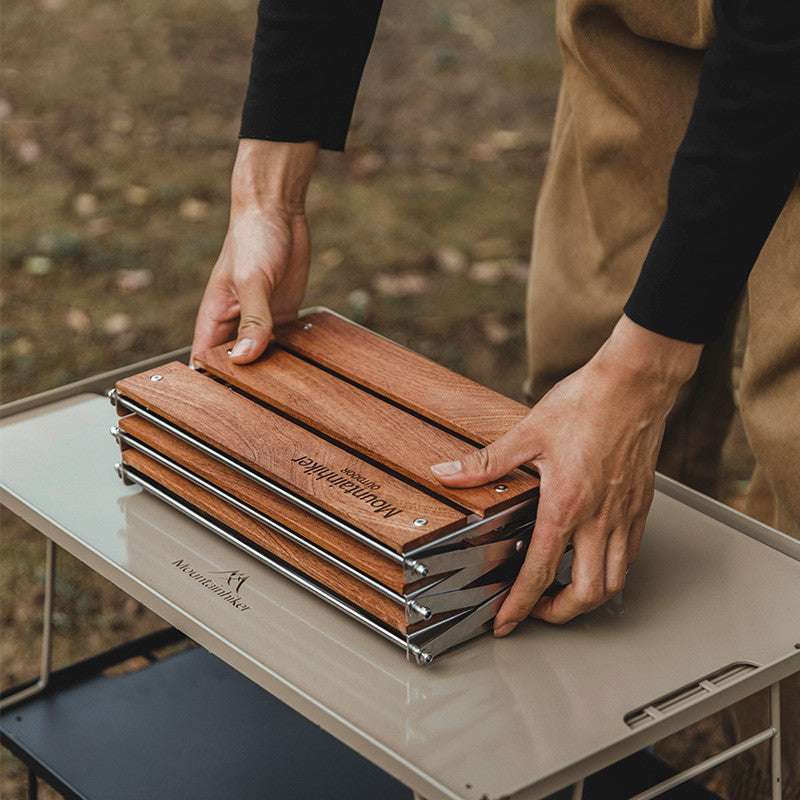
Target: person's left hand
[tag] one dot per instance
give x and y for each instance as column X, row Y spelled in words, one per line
column 594, row 439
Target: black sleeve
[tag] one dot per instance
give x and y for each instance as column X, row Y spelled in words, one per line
column 732, row 173
column 307, row 63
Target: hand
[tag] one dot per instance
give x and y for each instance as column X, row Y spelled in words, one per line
column 594, row 439
column 260, row 276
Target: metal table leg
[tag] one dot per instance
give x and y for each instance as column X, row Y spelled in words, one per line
column 47, row 633
column 772, row 733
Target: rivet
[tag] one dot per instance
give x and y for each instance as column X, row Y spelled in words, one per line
column 155, row 378
column 519, row 545
column 307, row 325
column 419, row 522
column 501, row 487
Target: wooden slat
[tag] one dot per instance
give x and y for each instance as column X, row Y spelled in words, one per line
column 292, row 456
column 358, row 419
column 348, row 587
column 457, row 403
column 383, row 569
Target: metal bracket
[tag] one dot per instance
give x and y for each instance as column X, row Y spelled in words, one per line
column 45, row 666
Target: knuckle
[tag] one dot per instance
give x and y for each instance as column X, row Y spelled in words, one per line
column 615, row 585
column 481, row 460
column 251, row 321
column 590, row 595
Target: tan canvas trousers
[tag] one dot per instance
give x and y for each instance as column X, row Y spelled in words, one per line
column 630, row 78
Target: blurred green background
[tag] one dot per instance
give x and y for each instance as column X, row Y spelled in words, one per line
column 119, row 132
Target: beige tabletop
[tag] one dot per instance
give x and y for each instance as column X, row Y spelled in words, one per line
column 519, row 717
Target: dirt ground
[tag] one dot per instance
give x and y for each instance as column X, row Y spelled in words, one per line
column 119, row 132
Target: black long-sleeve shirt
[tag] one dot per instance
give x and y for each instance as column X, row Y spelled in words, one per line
column 731, row 177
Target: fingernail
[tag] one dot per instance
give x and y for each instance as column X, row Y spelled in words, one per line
column 242, row 348
column 504, row 630
column 447, row 468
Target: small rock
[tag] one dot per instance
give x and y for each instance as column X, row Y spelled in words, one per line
column 357, row 305
column 486, row 272
column 5, row 108
column 368, row 163
column 450, row 260
column 117, row 324
column 78, row 320
column 29, row 152
column 22, row 346
column 508, row 140
column 137, row 195
column 38, row 265
column 85, row 204
column 495, row 331
column 132, row 280
column 121, row 123
column 193, row 210
column 329, row 259
column 405, row 284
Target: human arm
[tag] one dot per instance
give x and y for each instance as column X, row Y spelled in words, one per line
column 596, row 435
column 594, row 439
column 307, row 62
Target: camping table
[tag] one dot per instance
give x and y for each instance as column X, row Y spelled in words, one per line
column 709, row 616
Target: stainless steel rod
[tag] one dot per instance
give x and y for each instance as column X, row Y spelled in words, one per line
column 45, row 663
column 692, row 772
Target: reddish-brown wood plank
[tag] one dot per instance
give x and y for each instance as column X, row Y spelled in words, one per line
column 358, row 419
column 435, row 392
column 331, row 477
column 350, row 588
column 383, row 569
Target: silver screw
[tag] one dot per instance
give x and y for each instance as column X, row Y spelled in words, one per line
column 421, row 569
column 501, row 487
column 418, row 523
column 230, row 351
column 423, row 611
column 425, row 657
column 519, row 545
column 307, row 325
column 155, row 378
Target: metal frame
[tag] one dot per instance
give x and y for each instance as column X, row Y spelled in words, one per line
column 46, row 660
column 771, row 734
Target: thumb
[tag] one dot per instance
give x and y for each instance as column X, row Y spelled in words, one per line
column 489, row 463
column 255, row 322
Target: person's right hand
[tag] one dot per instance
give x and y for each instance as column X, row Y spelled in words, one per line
column 260, row 276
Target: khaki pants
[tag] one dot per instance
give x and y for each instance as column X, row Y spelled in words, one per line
column 630, row 78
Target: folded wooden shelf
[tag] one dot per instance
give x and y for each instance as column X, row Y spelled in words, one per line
column 316, row 460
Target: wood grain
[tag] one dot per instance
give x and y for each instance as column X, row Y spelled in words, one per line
column 435, row 392
column 315, row 567
column 297, row 459
column 370, row 425
column 383, row 569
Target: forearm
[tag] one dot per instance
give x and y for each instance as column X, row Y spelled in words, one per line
column 274, row 174
column 732, row 174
